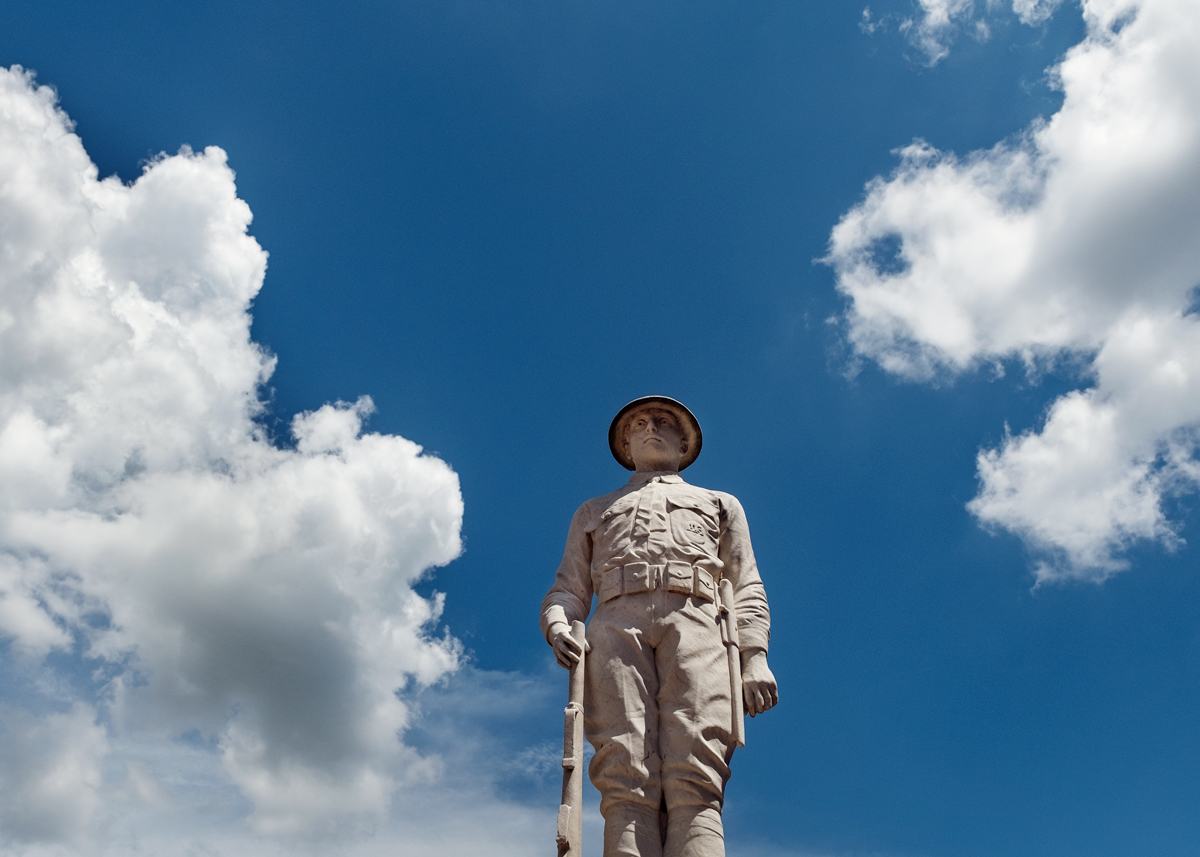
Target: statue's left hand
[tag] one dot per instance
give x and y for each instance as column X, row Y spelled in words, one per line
column 759, row 691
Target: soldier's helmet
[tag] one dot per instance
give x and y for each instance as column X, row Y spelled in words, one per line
column 687, row 422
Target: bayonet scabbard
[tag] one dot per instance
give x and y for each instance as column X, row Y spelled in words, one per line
column 729, row 635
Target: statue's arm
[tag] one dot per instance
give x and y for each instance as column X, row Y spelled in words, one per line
column 760, row 690
column 570, row 598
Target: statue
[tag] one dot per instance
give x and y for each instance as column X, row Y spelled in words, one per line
column 657, row 700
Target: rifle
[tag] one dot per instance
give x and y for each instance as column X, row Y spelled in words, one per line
column 729, row 635
column 570, row 813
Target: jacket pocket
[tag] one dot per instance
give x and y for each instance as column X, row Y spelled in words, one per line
column 695, row 523
column 679, row 577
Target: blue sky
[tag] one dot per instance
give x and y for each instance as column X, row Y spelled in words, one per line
column 502, row 221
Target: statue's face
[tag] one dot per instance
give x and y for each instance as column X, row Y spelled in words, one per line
column 655, row 440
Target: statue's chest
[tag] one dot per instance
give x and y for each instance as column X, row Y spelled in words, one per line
column 660, row 520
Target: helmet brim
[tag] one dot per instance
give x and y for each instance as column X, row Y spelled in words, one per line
column 687, row 422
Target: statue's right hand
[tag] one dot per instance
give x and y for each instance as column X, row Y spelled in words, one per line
column 566, row 649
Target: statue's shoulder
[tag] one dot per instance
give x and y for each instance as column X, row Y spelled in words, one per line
column 726, row 499
column 725, row 502
column 719, row 496
column 604, row 501
column 592, row 509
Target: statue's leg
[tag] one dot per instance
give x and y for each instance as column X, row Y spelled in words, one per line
column 631, row 830
column 694, row 831
column 694, row 727
column 621, row 721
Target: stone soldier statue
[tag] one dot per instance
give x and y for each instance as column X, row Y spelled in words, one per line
column 657, row 697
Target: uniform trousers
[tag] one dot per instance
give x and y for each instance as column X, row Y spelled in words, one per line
column 657, row 712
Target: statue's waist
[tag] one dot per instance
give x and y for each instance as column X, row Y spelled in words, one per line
column 671, row 576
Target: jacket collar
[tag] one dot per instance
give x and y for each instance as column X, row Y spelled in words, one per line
column 641, row 477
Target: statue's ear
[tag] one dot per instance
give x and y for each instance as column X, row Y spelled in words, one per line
column 683, row 446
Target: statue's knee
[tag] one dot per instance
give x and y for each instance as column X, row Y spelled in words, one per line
column 632, row 830
column 694, row 831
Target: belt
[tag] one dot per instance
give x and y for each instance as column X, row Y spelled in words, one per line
column 643, row 576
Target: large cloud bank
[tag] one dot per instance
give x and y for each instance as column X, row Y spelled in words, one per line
column 173, row 586
column 1078, row 241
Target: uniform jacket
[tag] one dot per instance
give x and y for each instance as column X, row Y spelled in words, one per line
column 661, row 522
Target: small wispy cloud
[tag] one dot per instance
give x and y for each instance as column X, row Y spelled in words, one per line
column 935, row 25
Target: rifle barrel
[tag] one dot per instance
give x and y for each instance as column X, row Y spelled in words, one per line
column 569, row 834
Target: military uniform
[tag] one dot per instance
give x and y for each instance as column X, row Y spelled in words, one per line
column 657, row 706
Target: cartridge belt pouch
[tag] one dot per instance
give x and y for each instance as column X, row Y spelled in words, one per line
column 672, row 576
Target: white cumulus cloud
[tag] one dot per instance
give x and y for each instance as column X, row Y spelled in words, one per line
column 174, row 586
column 1076, row 242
